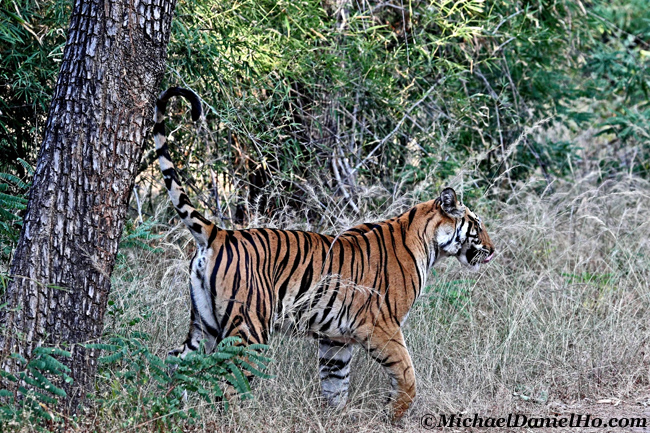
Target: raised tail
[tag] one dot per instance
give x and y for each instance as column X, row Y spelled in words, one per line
column 202, row 229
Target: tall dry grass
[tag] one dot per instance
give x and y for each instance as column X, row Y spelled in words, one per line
column 559, row 317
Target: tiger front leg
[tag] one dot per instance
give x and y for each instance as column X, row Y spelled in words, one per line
column 387, row 347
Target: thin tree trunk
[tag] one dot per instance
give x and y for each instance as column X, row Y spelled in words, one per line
column 113, row 62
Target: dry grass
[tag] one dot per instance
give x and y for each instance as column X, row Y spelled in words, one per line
column 556, row 322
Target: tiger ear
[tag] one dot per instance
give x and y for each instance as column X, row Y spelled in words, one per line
column 450, row 204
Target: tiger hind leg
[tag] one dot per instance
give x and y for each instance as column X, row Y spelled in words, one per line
column 334, row 365
column 200, row 330
column 251, row 329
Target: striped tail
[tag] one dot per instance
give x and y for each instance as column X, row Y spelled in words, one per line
column 202, row 229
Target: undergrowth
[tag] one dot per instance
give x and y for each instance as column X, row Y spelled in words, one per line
column 157, row 394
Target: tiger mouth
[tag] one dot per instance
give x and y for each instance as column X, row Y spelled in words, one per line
column 482, row 257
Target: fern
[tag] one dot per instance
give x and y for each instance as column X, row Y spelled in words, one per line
column 156, row 386
column 36, row 389
column 13, row 200
column 138, row 236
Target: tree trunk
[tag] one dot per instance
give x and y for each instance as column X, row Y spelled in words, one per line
column 113, row 62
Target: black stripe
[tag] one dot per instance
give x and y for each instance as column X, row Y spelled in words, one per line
column 196, row 215
column 213, row 235
column 412, row 216
column 190, row 345
column 326, row 326
column 332, row 363
column 305, row 281
column 159, row 129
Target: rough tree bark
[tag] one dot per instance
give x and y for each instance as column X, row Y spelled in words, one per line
column 113, row 62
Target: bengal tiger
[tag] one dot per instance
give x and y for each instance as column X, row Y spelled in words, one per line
column 355, row 288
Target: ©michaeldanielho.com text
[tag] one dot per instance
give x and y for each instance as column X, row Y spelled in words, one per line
column 429, row 421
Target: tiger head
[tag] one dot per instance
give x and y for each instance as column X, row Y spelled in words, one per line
column 464, row 235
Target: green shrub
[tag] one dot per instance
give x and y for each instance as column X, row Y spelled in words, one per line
column 13, row 200
column 143, row 387
column 149, row 390
column 32, row 37
column 37, row 390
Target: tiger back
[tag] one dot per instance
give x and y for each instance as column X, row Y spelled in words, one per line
column 355, row 288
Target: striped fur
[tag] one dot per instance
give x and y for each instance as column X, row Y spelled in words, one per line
column 355, row 288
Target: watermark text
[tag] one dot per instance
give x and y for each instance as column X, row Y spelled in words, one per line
column 430, row 421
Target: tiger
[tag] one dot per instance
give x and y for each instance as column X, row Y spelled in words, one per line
column 352, row 289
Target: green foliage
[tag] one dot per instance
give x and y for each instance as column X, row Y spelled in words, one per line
column 378, row 94
column 151, row 390
column 455, row 295
column 618, row 79
column 139, row 236
column 32, row 36
column 403, row 94
column 148, row 389
column 37, row 389
column 13, row 200
column 607, row 280
column 295, row 83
